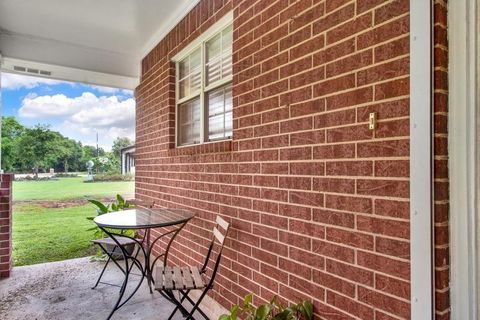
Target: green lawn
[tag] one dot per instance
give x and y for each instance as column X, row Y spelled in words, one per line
column 69, row 188
column 45, row 234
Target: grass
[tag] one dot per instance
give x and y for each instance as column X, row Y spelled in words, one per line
column 43, row 234
column 69, row 188
column 51, row 234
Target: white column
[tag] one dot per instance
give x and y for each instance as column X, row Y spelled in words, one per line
column 421, row 160
column 462, row 151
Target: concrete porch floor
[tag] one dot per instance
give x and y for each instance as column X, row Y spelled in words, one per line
column 62, row 290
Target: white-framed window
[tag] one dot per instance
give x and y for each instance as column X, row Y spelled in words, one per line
column 204, row 87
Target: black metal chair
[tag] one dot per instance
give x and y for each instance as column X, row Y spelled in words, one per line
column 110, row 248
column 185, row 279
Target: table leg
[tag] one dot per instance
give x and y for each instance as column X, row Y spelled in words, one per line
column 151, row 265
column 126, row 257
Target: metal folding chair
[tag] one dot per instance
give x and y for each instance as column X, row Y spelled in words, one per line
column 104, row 243
column 185, row 279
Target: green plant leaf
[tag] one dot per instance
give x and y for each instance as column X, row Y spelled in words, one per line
column 100, row 206
column 284, row 315
column 307, row 308
column 120, row 200
column 224, row 317
column 247, row 300
column 262, row 312
column 234, row 312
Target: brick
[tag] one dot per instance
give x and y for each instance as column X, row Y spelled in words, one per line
column 306, row 198
column 391, row 148
column 349, row 168
column 394, row 168
column 334, row 151
column 333, row 19
column 386, row 188
column 393, row 228
column 334, row 185
column 351, row 27
column 384, row 302
column 334, row 218
column 350, row 98
column 396, row 268
column 389, row 70
column 332, row 250
column 337, row 118
column 348, row 203
column 350, row 238
column 353, row 307
column 307, row 228
column 295, row 268
column 334, row 85
column 306, row 257
column 307, row 168
column 350, row 272
column 307, row 107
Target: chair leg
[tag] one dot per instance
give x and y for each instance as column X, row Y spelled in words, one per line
column 197, row 306
column 185, row 295
column 178, row 304
column 103, row 271
column 198, row 309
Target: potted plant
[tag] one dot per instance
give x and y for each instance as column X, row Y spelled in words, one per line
column 270, row 311
column 119, row 205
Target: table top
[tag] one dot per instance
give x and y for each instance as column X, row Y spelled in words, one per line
column 141, row 218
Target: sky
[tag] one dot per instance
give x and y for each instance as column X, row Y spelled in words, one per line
column 76, row 110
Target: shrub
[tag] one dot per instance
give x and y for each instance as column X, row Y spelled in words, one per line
column 104, row 177
column 270, row 311
column 65, row 175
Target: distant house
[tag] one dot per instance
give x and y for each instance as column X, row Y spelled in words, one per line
column 128, row 159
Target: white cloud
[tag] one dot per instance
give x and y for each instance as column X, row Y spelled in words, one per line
column 82, row 117
column 11, row 81
column 108, row 90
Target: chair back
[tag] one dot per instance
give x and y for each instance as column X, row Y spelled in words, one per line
column 220, row 232
column 140, row 203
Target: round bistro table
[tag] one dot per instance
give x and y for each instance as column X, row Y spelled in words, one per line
column 115, row 223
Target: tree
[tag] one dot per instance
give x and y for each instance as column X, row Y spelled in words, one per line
column 67, row 151
column 36, row 149
column 119, row 144
column 11, row 130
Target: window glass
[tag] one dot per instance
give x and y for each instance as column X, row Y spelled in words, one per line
column 219, row 103
column 190, row 74
column 189, row 122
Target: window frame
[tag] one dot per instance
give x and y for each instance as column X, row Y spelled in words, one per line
column 202, row 92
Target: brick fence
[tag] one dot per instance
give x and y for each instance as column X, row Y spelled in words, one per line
column 318, row 202
column 5, row 224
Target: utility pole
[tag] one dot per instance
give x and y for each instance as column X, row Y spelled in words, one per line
column 97, row 145
column 97, row 152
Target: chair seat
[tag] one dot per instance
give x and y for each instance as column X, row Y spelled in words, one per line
column 178, row 278
column 109, row 241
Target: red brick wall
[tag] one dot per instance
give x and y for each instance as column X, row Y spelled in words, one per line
column 5, row 224
column 318, row 202
column 441, row 197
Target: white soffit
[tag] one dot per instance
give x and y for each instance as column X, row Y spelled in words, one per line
column 108, row 37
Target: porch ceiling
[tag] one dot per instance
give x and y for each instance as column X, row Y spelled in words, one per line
column 104, row 40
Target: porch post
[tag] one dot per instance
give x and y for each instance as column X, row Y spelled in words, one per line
column 5, row 224
column 463, row 152
column 421, row 159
